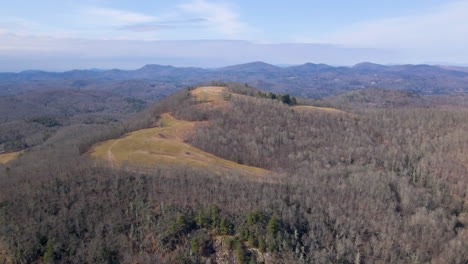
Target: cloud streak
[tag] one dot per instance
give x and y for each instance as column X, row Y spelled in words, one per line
column 164, row 25
column 214, row 18
column 146, row 27
column 218, row 16
column 118, row 17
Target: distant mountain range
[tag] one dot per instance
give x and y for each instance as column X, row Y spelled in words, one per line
column 311, row 80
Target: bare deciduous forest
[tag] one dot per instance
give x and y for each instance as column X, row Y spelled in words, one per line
column 373, row 185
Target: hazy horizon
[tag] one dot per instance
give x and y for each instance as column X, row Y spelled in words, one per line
column 227, row 65
column 63, row 35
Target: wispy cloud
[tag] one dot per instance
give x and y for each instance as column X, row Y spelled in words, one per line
column 185, row 21
column 119, row 17
column 218, row 16
column 145, row 27
column 164, row 25
column 191, row 19
column 16, row 24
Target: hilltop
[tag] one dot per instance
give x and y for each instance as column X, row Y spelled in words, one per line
column 253, row 67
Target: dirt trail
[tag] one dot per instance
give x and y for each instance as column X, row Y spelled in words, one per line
column 165, row 144
column 7, row 157
column 322, row 109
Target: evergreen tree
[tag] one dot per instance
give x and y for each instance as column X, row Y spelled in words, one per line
column 224, row 227
column 286, row 99
column 272, row 227
column 259, row 216
column 293, row 101
column 261, row 245
column 214, row 215
column 49, row 252
column 240, row 253
column 250, row 219
column 195, row 245
column 202, row 220
column 252, row 241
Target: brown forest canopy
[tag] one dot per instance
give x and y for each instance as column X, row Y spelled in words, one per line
column 374, row 185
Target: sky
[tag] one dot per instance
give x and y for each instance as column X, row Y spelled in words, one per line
column 69, row 34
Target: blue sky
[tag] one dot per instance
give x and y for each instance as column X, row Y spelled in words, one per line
column 67, row 34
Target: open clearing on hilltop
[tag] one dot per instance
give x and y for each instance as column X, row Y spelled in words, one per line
column 210, row 93
column 164, row 145
column 212, row 96
column 7, row 157
column 216, row 94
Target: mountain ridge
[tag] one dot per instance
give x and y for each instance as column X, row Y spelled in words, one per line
column 254, row 65
column 308, row 80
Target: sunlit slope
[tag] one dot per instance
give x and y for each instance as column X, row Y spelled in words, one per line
column 163, row 145
column 315, row 108
column 7, row 157
column 215, row 94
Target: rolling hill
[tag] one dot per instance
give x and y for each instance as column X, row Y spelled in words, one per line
column 454, row 68
column 28, row 119
column 309, row 80
column 166, row 142
column 65, row 103
column 375, row 97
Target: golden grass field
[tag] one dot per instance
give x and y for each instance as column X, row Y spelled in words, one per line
column 7, row 157
column 163, row 145
column 210, row 93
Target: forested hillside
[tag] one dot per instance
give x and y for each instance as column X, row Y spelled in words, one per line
column 31, row 118
column 381, row 98
column 355, row 185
